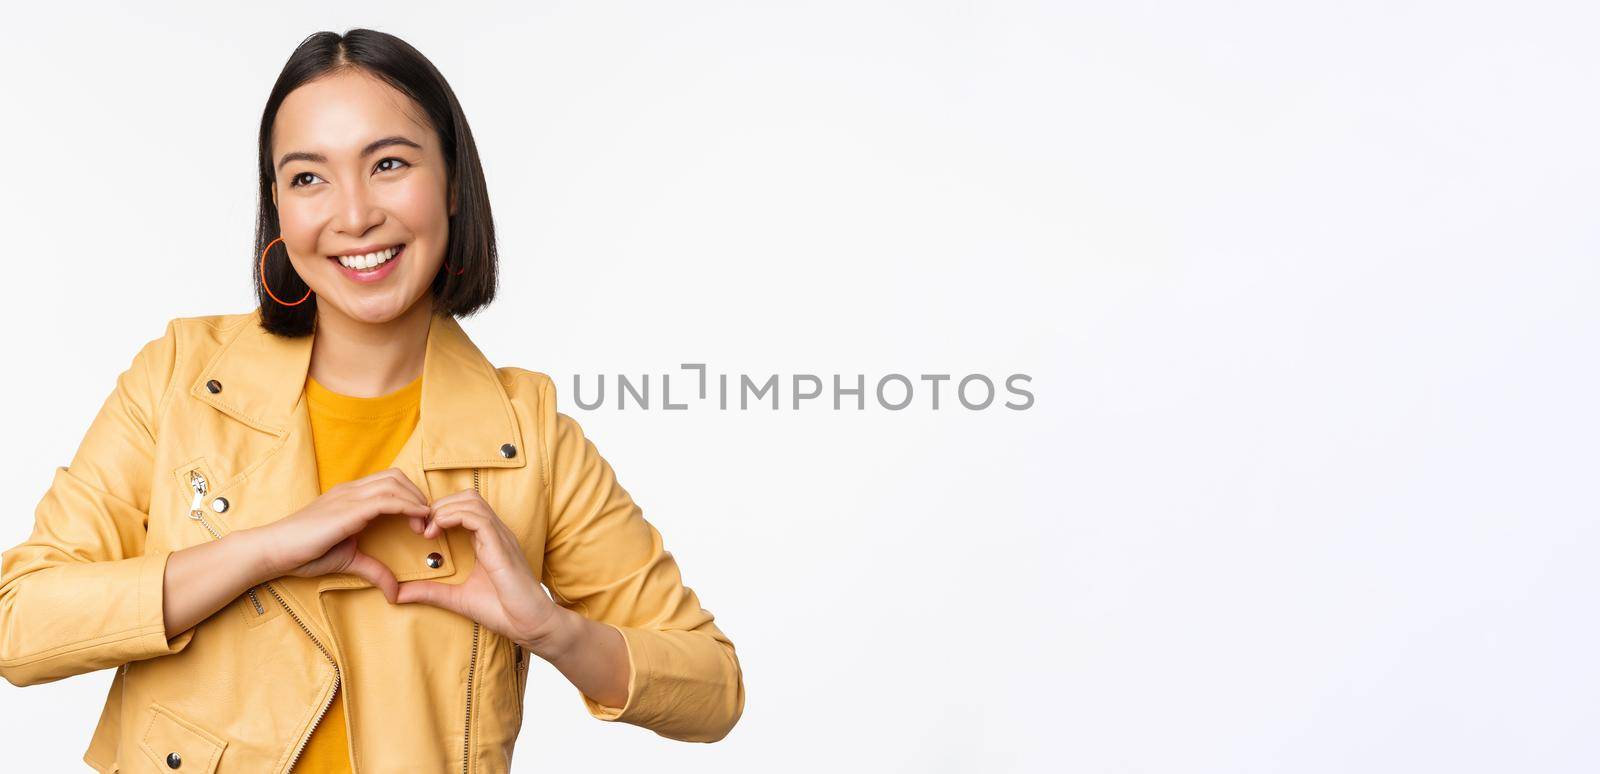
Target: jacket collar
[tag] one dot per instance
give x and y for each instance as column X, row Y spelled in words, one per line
column 466, row 415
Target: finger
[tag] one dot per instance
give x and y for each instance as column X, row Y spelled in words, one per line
column 465, row 494
column 505, row 530
column 365, row 566
column 397, row 483
column 464, row 515
column 472, row 503
column 418, row 523
column 490, row 539
column 438, row 506
column 371, row 478
column 390, row 481
column 402, row 506
column 460, row 514
column 386, row 505
column 407, row 483
column 499, row 525
column 490, row 518
column 433, row 593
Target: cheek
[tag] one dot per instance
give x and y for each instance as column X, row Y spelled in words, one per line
column 300, row 227
column 419, row 206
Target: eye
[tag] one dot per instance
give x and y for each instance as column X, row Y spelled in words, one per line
column 391, row 158
column 294, row 182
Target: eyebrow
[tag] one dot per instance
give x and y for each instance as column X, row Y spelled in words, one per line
column 367, row 151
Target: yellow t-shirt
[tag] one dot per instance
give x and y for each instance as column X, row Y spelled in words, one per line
column 354, row 437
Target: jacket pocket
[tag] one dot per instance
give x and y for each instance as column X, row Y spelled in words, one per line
column 175, row 744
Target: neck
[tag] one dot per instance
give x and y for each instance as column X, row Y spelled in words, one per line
column 365, row 360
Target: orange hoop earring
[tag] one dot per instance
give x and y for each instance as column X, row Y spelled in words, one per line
column 452, row 271
column 264, row 275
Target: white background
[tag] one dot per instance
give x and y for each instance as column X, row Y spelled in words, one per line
column 1307, row 292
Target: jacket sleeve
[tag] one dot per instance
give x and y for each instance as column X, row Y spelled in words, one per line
column 81, row 593
column 604, row 561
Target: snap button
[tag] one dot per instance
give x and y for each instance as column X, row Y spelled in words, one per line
column 508, row 451
column 174, row 760
column 220, row 504
column 214, row 386
column 435, row 560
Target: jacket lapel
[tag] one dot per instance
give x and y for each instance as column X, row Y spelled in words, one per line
column 466, row 415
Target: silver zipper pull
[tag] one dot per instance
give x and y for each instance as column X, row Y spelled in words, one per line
column 198, row 483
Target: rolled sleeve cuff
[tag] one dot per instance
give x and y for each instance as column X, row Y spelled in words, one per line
column 638, row 680
column 153, row 641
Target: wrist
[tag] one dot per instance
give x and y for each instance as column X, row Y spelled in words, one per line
column 253, row 554
column 557, row 637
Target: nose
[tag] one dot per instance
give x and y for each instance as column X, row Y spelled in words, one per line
column 357, row 214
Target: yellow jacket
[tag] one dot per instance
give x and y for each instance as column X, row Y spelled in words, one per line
column 206, row 433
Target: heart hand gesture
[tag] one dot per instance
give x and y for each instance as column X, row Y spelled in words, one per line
column 501, row 591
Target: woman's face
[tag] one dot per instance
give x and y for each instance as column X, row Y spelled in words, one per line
column 359, row 170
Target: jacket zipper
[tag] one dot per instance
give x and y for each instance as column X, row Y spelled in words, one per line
column 522, row 669
column 472, row 668
column 520, row 672
column 196, row 512
column 336, row 677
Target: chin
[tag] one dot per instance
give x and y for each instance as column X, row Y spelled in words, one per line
column 373, row 311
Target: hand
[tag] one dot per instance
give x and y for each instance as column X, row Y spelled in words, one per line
column 500, row 592
column 321, row 538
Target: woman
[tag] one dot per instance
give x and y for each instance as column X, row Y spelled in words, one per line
column 312, row 536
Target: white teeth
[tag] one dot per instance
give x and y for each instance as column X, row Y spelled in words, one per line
column 366, row 261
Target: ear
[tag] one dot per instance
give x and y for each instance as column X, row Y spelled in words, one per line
column 274, row 194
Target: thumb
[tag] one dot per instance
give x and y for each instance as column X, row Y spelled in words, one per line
column 430, row 592
column 365, row 566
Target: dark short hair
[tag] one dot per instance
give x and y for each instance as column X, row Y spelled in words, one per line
column 471, row 247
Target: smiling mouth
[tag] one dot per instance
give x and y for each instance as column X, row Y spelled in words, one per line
column 371, row 261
